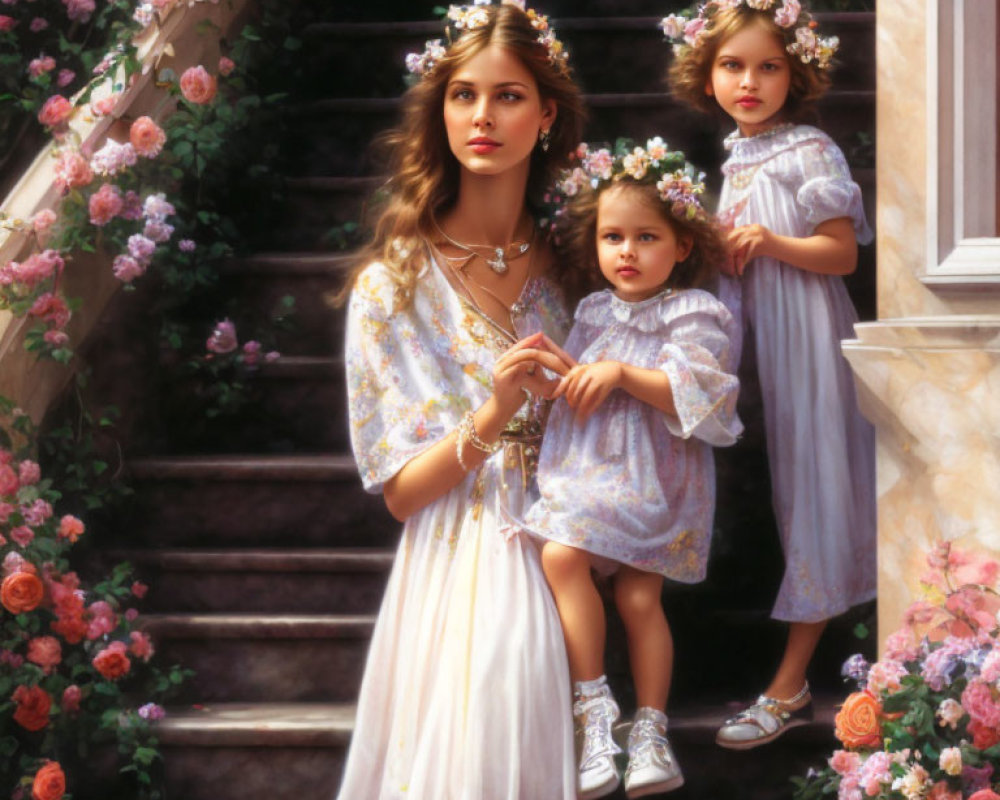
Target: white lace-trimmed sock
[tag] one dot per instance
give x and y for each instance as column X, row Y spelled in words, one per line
column 595, row 688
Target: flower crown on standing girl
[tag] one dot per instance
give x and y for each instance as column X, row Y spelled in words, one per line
column 459, row 19
column 688, row 28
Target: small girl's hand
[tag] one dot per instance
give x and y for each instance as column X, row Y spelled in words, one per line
column 586, row 386
column 745, row 243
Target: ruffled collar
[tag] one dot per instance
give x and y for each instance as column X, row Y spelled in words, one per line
column 746, row 150
column 602, row 307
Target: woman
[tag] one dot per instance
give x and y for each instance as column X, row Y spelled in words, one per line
column 465, row 694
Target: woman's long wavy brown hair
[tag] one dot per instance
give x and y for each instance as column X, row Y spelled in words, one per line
column 424, row 172
column 691, row 70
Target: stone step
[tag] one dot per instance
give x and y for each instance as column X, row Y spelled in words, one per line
column 607, row 52
column 255, row 501
column 261, row 658
column 243, row 751
column 273, row 581
column 230, row 751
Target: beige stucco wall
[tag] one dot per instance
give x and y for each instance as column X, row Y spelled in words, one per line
column 928, row 371
column 175, row 44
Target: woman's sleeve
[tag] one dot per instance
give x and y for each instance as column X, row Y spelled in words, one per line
column 827, row 190
column 395, row 411
column 696, row 359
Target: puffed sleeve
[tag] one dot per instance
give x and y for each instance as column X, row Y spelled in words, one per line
column 827, row 190
column 696, row 358
column 394, row 408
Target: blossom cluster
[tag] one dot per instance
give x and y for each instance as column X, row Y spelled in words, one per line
column 677, row 182
column 462, row 18
column 688, row 28
column 925, row 721
column 58, row 642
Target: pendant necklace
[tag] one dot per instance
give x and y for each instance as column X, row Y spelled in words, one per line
column 498, row 263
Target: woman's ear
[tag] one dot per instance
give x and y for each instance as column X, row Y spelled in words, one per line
column 708, row 88
column 549, row 110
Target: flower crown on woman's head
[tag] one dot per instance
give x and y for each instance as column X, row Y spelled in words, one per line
column 687, row 29
column 459, row 19
column 677, row 181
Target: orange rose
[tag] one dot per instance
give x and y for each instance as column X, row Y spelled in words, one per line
column 21, row 592
column 197, row 85
column 50, row 782
column 33, row 704
column 857, row 722
column 147, row 137
column 112, row 662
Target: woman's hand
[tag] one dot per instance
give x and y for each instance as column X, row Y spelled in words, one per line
column 518, row 369
column 745, row 243
column 587, row 385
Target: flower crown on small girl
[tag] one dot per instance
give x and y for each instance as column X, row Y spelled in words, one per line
column 459, row 19
column 677, row 182
column 687, row 29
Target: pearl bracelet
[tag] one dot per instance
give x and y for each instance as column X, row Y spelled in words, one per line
column 467, row 433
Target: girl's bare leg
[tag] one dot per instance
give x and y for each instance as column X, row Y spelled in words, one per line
column 803, row 637
column 650, row 644
column 581, row 611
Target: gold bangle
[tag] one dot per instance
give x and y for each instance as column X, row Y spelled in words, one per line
column 468, row 428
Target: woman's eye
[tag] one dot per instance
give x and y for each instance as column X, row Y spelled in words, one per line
column 647, row 237
column 510, row 97
column 731, row 64
column 461, row 94
column 611, row 237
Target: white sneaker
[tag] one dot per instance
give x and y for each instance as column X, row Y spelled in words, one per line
column 652, row 766
column 597, row 775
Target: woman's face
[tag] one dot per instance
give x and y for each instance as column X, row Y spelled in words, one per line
column 750, row 78
column 493, row 112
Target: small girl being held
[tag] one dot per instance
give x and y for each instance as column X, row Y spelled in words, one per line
column 795, row 218
column 626, row 473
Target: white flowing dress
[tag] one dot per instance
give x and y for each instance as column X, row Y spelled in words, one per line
column 466, row 691
column 820, row 449
column 633, row 484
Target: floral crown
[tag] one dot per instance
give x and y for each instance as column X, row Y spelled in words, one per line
column 677, row 181
column 459, row 19
column 687, row 29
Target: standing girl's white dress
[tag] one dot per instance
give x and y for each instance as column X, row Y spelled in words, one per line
column 633, row 484
column 820, row 449
column 466, row 692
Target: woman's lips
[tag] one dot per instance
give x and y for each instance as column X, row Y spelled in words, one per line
column 748, row 102
column 483, row 145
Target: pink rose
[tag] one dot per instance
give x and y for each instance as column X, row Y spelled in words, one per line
column 46, row 652
column 103, row 619
column 197, row 85
column 105, row 204
column 55, row 338
column 692, row 29
column 8, row 480
column 223, row 338
column 71, row 699
column 105, row 105
column 844, row 762
column 985, row 794
column 127, row 269
column 79, row 10
column 251, row 353
column 38, row 24
column 65, row 78
column 141, row 646
column 72, row 170
column 226, row 66
column 139, row 589
column 147, row 137
column 982, row 706
column 41, row 65
column 55, row 111
column 6, row 509
column 7, row 23
column 22, row 535
column 43, row 220
column 28, row 472
column 70, row 528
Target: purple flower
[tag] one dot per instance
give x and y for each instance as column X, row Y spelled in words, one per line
column 65, row 77
column 141, row 248
column 976, row 778
column 157, row 208
column 38, row 24
column 133, row 206
column 126, row 268
column 223, row 339
column 36, row 513
column 186, row 245
column 158, row 231
column 79, row 10
column 855, row 668
column 152, row 711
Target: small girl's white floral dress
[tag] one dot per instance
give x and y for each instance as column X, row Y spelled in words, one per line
column 632, row 484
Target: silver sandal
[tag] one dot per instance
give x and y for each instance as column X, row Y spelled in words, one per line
column 765, row 721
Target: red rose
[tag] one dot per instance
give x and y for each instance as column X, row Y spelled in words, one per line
column 49, row 783
column 33, row 704
column 112, row 662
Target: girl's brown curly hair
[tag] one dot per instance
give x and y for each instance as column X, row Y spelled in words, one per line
column 691, row 70
column 577, row 234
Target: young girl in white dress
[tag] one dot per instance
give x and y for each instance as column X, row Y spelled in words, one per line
column 465, row 695
column 795, row 217
column 626, row 475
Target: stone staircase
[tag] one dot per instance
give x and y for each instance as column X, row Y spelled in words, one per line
column 265, row 558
